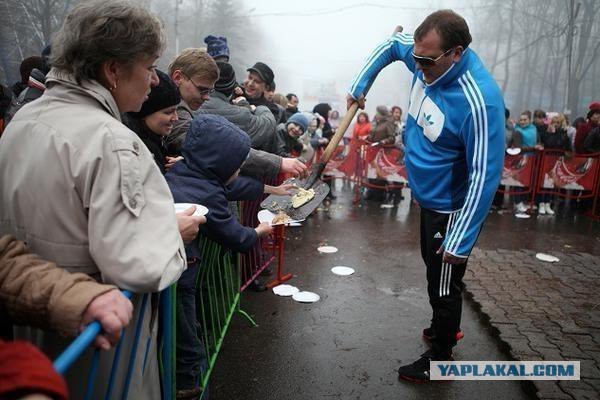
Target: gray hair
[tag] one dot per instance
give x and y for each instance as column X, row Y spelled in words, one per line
column 98, row 31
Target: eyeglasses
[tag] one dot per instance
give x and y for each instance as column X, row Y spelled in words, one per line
column 201, row 89
column 429, row 61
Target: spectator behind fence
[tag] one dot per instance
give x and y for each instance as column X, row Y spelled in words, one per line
column 525, row 137
column 259, row 124
column 292, row 105
column 539, row 121
column 214, row 150
column 554, row 138
column 334, row 119
column 105, row 205
column 583, row 129
column 288, row 134
column 281, row 100
column 259, row 80
column 152, row 124
column 362, row 127
column 36, row 84
column 196, row 74
column 27, row 65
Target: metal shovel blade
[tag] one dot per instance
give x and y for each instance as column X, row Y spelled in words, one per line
column 275, row 203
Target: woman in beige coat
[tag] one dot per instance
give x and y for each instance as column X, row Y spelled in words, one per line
column 81, row 189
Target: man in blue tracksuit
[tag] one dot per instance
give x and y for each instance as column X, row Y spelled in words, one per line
column 454, row 140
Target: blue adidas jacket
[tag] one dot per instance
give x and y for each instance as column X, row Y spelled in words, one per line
column 454, row 137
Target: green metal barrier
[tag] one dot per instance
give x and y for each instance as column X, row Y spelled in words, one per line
column 218, row 298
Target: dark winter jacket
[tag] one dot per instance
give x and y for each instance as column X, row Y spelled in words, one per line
column 591, row 143
column 259, row 163
column 290, row 111
column 323, row 110
column 213, row 150
column 261, row 101
column 286, row 143
column 34, row 90
column 260, row 125
column 558, row 140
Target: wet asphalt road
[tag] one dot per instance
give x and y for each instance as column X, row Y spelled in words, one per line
column 350, row 343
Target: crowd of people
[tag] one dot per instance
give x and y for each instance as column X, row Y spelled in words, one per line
column 111, row 143
column 541, row 130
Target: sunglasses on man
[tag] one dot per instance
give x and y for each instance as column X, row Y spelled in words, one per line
column 429, row 61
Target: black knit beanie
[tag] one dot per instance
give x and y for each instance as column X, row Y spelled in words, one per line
column 164, row 95
column 226, row 82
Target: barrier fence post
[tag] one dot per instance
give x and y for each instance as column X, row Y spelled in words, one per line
column 280, row 237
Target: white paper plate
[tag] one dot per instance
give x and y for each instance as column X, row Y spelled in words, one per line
column 200, row 210
column 306, row 297
column 285, row 290
column 513, row 151
column 522, row 215
column 294, row 224
column 546, row 257
column 386, row 206
column 267, row 216
column 327, row 249
column 343, row 271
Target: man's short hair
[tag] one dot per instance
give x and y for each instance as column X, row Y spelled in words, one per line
column 195, row 62
column 289, row 96
column 451, row 27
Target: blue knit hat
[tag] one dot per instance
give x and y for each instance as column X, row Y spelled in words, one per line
column 216, row 46
column 299, row 119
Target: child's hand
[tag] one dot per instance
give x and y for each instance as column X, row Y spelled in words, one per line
column 264, row 229
column 171, row 161
column 189, row 224
column 281, row 190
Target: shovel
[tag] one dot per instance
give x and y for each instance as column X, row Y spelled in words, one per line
column 275, row 203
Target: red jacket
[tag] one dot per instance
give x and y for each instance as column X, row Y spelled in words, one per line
column 26, row 370
column 361, row 130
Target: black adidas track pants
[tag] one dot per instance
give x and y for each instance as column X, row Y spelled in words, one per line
column 444, row 282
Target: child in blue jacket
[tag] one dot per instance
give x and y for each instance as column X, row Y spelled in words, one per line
column 214, row 150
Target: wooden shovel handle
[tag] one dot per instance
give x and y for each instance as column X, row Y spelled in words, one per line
column 339, row 133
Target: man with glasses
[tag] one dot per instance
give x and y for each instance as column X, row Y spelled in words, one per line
column 195, row 73
column 454, row 140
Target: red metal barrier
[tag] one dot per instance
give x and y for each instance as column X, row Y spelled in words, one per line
column 264, row 252
column 571, row 176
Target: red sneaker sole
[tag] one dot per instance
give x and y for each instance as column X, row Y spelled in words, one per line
column 459, row 335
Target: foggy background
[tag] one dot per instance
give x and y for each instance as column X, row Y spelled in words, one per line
column 316, row 47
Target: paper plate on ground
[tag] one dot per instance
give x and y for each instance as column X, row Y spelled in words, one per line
column 200, row 210
column 522, row 215
column 386, row 206
column 285, row 290
column 343, row 271
column 513, row 151
column 306, row 297
column 327, row 249
column 294, row 224
column 546, row 257
column 267, row 216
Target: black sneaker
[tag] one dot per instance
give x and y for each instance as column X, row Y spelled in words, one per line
column 418, row 371
column 429, row 334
